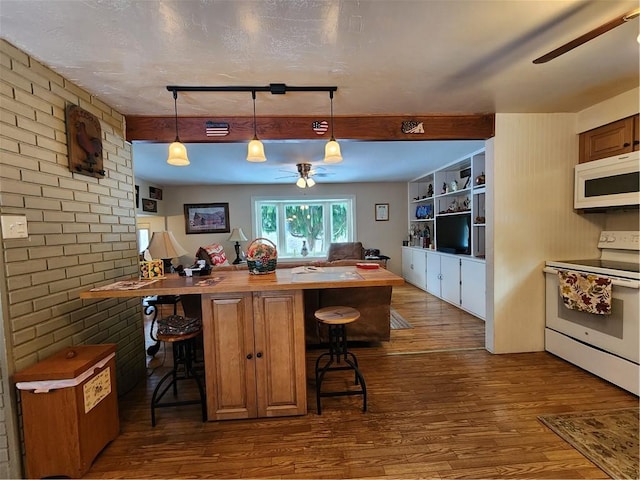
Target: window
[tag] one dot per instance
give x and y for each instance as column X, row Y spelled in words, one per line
column 311, row 222
column 143, row 236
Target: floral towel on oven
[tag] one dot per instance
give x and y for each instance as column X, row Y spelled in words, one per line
column 585, row 292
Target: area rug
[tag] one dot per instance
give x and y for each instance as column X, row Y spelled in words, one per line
column 608, row 438
column 398, row 322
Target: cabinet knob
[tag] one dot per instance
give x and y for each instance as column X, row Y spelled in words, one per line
column 249, row 356
column 259, row 354
column 636, row 142
column 626, row 144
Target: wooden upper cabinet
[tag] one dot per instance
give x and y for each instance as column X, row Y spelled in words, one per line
column 609, row 140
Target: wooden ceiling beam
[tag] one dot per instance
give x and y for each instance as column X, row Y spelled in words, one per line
column 376, row 127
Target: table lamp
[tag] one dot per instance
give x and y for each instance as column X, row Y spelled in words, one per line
column 164, row 245
column 237, row 235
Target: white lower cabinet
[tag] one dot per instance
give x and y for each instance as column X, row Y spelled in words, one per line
column 457, row 280
column 414, row 266
column 473, row 287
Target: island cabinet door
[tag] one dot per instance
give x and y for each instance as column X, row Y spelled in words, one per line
column 227, row 321
column 280, row 353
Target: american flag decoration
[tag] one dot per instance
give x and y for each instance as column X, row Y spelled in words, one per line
column 213, row 129
column 320, row 127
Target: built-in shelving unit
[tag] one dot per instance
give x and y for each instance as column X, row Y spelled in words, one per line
column 445, row 250
column 455, row 190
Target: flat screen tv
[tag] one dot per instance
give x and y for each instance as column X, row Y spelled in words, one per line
column 453, row 234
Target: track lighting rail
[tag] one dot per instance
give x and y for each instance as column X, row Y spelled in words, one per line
column 274, row 88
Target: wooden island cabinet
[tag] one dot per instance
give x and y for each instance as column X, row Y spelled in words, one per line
column 254, row 349
column 253, row 332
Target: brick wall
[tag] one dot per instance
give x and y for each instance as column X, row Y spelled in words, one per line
column 82, row 233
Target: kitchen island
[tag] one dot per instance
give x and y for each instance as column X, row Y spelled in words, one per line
column 253, row 332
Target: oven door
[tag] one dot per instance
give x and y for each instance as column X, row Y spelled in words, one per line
column 616, row 333
column 609, row 182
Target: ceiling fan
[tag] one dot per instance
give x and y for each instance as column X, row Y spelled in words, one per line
column 305, row 172
column 596, row 32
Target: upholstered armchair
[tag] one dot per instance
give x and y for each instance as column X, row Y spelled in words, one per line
column 345, row 251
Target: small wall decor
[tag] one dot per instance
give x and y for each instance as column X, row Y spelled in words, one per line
column 216, row 129
column 320, row 127
column 412, row 126
column 382, row 212
column 149, row 205
column 206, row 218
column 155, row 193
column 84, row 142
column 137, row 196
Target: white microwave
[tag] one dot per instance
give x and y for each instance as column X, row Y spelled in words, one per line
column 608, row 182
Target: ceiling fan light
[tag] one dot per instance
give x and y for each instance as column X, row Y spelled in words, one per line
column 178, row 154
column 332, row 152
column 255, row 151
column 310, row 182
column 301, row 183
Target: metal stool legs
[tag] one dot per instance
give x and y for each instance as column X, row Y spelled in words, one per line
column 337, row 354
column 183, row 355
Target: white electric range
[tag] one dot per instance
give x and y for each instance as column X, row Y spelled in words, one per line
column 606, row 345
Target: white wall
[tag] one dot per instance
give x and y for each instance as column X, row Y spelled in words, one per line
column 621, row 106
column 387, row 236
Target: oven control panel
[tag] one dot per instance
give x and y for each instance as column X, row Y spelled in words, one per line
column 622, row 240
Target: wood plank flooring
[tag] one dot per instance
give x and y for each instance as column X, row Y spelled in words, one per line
column 440, row 407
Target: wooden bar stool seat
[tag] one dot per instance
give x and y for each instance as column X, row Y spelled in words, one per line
column 184, row 351
column 338, row 357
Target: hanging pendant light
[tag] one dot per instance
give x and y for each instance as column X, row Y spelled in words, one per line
column 332, row 148
column 177, row 151
column 255, row 149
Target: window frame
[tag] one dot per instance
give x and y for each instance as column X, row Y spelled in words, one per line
column 316, row 199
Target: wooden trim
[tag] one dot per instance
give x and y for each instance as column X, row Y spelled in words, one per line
column 383, row 127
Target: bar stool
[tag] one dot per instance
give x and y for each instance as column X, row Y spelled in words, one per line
column 151, row 306
column 336, row 318
column 183, row 356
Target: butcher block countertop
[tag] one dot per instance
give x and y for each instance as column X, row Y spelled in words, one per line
column 242, row 281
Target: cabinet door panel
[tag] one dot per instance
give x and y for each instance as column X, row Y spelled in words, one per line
column 420, row 269
column 433, row 273
column 612, row 139
column 473, row 287
column 280, row 353
column 450, row 281
column 228, row 341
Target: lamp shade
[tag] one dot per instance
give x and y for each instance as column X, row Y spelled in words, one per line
column 310, row 182
column 237, row 235
column 178, row 155
column 255, row 151
column 165, row 246
column 301, row 183
column 332, row 152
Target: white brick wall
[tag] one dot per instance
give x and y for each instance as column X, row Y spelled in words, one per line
column 81, row 233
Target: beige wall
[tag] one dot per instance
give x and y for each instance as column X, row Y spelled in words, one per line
column 81, row 233
column 387, row 236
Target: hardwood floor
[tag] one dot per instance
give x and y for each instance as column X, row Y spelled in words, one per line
column 440, row 406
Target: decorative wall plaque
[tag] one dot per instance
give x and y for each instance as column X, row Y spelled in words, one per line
column 412, row 127
column 84, row 141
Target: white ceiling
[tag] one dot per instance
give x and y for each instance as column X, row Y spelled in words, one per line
column 403, row 57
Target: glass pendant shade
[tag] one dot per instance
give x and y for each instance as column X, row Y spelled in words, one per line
column 310, row 182
column 301, row 183
column 178, row 154
column 255, row 151
column 332, row 152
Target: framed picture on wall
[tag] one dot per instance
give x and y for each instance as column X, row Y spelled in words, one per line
column 149, row 205
column 137, row 196
column 382, row 212
column 206, row 218
column 155, row 193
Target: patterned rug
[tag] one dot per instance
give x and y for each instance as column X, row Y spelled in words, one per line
column 398, row 322
column 608, row 438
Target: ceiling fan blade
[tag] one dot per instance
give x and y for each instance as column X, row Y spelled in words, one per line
column 596, row 32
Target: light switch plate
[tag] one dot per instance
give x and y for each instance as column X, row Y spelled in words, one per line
column 14, row 226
